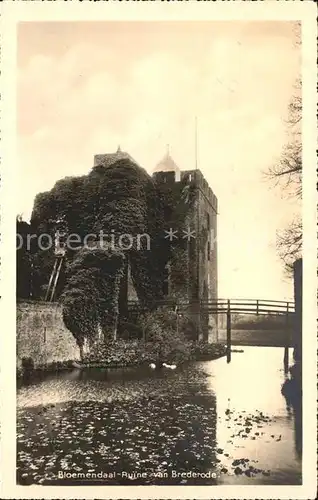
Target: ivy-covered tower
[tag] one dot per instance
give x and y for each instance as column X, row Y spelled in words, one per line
column 192, row 268
column 187, row 240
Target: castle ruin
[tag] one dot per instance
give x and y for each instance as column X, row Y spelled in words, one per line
column 191, row 272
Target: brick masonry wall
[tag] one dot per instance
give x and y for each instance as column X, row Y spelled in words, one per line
column 41, row 334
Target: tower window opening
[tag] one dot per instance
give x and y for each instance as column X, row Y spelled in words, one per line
column 208, row 221
column 209, row 250
column 190, row 178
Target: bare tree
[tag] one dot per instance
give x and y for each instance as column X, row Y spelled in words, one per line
column 287, row 173
column 289, row 244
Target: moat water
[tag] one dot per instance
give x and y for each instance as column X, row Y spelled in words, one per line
column 210, row 422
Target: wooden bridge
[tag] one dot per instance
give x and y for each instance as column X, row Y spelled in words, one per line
column 228, row 307
column 255, row 307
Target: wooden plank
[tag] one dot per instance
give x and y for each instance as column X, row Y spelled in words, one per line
column 247, row 311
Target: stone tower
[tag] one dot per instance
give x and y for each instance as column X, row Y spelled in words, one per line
column 199, row 255
column 191, row 272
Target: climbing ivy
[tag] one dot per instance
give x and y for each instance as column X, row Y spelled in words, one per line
column 120, row 199
column 90, row 298
column 177, row 200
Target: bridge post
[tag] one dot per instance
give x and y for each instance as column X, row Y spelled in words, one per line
column 287, row 325
column 228, row 332
column 287, row 340
column 257, row 308
column 287, row 314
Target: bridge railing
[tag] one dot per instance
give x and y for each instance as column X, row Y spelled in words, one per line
column 250, row 306
column 221, row 306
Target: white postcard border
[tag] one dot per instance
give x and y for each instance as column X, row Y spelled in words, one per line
column 14, row 12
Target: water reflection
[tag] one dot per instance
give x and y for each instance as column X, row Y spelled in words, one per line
column 211, row 418
column 252, row 418
column 292, row 391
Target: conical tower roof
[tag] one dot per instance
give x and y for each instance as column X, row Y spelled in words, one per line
column 167, row 164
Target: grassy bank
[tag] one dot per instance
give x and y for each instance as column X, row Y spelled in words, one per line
column 121, row 354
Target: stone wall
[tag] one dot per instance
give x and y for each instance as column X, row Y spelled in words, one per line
column 41, row 334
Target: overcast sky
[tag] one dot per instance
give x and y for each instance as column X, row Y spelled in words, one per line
column 85, row 88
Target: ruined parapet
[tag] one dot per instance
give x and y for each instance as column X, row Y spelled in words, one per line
column 196, row 177
column 108, row 159
column 164, row 177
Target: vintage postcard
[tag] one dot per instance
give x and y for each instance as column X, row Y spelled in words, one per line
column 158, row 250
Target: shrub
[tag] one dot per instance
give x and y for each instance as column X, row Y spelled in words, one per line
column 117, row 353
column 203, row 351
column 163, row 329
